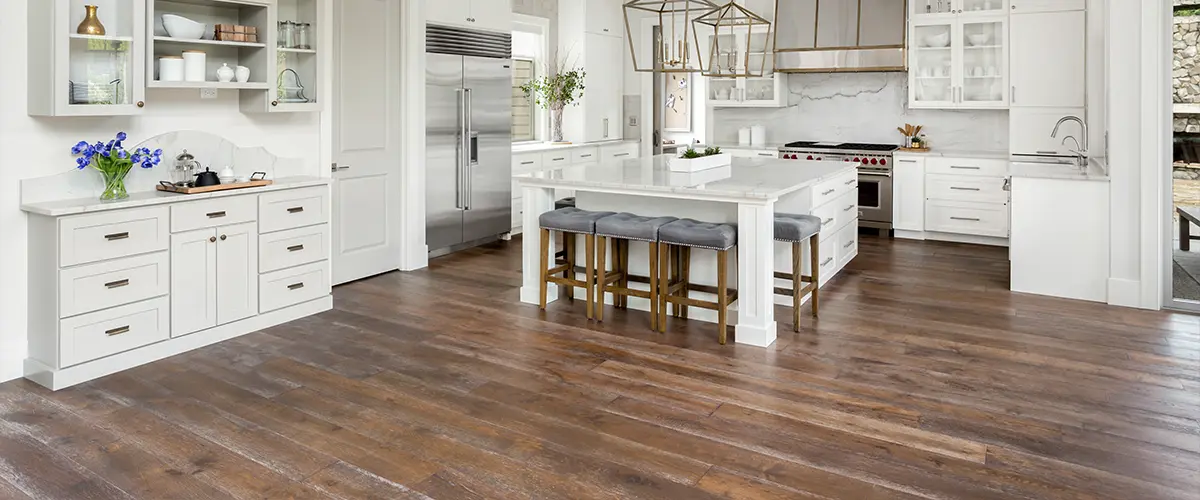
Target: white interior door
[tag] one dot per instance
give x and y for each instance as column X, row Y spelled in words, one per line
column 366, row 138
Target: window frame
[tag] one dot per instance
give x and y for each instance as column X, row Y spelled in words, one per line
column 539, row 26
column 533, row 108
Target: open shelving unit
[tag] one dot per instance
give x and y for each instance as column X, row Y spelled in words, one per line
column 217, row 53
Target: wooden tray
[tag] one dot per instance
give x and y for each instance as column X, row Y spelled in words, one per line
column 166, row 186
column 914, row 150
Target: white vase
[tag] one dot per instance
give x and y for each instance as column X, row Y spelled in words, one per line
column 557, row 118
column 224, row 73
column 243, row 74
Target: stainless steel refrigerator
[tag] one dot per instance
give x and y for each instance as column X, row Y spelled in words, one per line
column 468, row 137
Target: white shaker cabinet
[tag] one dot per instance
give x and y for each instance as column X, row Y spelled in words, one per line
column 493, row 15
column 908, row 193
column 237, row 264
column 959, row 62
column 1048, row 59
column 194, row 281
column 587, row 39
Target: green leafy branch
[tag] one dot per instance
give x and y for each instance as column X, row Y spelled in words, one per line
column 558, row 87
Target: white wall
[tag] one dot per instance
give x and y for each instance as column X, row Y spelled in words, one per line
column 38, row 147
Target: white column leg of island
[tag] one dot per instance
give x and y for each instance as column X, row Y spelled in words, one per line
column 756, row 274
column 535, row 201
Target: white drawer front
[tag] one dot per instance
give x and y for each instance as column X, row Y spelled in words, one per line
column 526, row 163
column 108, row 332
column 97, row 286
column 836, row 214
column 967, row 166
column 585, row 155
column 847, row 244
column 293, row 286
column 294, row 208
column 212, row 213
column 293, row 247
column 981, row 219
column 965, row 188
column 555, row 159
column 831, row 189
column 827, row 260
column 627, row 151
column 110, row 235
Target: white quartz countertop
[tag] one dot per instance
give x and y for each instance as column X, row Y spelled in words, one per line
column 1096, row 171
column 538, row 147
column 750, row 179
column 60, row 208
column 949, row 153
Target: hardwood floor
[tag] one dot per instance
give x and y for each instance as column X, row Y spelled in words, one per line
column 923, row 378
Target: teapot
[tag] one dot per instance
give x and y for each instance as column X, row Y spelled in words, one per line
column 207, row 178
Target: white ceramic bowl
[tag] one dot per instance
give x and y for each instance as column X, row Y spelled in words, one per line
column 182, row 27
column 979, row 39
column 229, row 180
column 940, row 40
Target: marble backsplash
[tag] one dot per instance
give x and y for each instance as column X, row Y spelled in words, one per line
column 862, row 107
column 212, row 151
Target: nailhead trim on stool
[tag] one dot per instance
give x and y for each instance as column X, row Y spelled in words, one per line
column 795, row 229
column 687, row 234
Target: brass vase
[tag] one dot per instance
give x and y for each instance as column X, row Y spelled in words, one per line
column 91, row 24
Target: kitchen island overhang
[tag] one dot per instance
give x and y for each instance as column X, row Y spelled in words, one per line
column 747, row 193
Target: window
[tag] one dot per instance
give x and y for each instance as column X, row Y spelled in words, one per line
column 523, row 123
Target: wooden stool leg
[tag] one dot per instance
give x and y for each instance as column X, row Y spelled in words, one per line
column 815, row 245
column 664, row 284
column 569, row 257
column 625, row 272
column 545, row 250
column 617, row 266
column 674, row 268
column 590, row 275
column 797, row 287
column 653, row 254
column 601, row 268
column 722, row 296
column 685, row 262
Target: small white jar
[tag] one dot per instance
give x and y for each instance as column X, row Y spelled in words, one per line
column 170, row 69
column 194, row 65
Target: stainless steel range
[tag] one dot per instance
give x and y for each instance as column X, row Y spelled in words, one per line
column 874, row 174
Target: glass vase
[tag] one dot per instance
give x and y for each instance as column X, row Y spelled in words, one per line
column 114, row 185
column 557, row 118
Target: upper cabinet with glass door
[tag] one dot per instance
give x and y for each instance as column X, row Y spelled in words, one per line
column 740, row 63
column 934, row 9
column 301, row 58
column 959, row 63
column 86, row 57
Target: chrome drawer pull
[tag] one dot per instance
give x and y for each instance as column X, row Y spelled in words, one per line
column 558, row 159
column 296, row 286
column 907, row 161
column 116, row 236
column 960, row 167
column 827, row 261
column 969, row 219
column 956, row 188
column 618, row 155
column 766, row 154
column 827, row 221
column 849, row 208
column 527, row 163
column 849, row 244
column 585, row 156
column 215, row 215
column 851, row 181
column 827, row 193
column 295, row 248
column 295, row 210
column 117, row 331
column 116, row 284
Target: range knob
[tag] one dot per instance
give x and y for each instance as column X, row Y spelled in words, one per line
column 847, row 160
column 874, row 161
column 883, row 161
column 819, row 158
column 810, row 157
column 856, row 160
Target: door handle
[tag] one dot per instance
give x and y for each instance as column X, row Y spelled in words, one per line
column 472, row 159
column 1012, row 99
column 336, row 167
column 459, row 169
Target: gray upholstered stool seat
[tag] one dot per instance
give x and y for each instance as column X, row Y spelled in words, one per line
column 697, row 234
column 572, row 220
column 796, row 228
column 632, row 227
column 565, row 203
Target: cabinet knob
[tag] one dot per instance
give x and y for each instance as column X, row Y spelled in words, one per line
column 274, row 103
column 223, row 237
column 141, row 104
column 212, row 239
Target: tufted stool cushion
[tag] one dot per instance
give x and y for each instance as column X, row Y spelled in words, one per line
column 565, row 203
column 693, row 233
column 572, row 220
column 796, row 228
column 632, row 227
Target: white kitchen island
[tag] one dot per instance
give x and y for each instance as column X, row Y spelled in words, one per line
column 747, row 193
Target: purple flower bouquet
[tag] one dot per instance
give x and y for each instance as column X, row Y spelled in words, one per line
column 114, row 163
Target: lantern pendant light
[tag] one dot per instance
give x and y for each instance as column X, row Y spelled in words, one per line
column 741, row 44
column 677, row 48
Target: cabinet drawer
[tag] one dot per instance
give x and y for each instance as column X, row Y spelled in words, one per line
column 585, row 155
column 627, row 151
column 121, row 233
column 967, row 166
column 965, row 188
column 847, row 244
column 212, row 213
column 526, row 163
column 556, row 159
column 837, row 213
column 827, row 260
column 293, row 286
column 294, row 208
column 293, row 247
column 110, row 331
column 830, row 190
column 97, row 286
column 981, row 219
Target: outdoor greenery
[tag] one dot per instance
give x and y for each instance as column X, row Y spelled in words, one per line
column 1191, row 10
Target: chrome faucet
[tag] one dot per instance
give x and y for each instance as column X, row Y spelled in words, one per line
column 1081, row 149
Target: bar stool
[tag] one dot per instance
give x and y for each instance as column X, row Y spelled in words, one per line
column 621, row 229
column 562, row 254
column 685, row 234
column 572, row 222
column 794, row 229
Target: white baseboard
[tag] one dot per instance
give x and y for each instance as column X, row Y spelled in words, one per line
column 952, row 238
column 1124, row 292
column 66, row 377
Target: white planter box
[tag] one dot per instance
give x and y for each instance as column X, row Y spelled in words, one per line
column 701, row 163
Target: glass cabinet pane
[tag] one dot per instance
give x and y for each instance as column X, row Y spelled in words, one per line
column 932, row 63
column 760, row 89
column 983, row 62
column 297, row 58
column 100, row 55
column 722, row 89
column 981, row 6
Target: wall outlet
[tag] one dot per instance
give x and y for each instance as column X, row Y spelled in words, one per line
column 208, row 93
column 633, row 121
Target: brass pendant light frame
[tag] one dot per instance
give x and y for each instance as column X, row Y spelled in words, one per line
column 730, row 20
column 681, row 50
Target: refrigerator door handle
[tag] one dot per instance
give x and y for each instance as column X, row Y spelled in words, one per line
column 459, row 198
column 471, row 147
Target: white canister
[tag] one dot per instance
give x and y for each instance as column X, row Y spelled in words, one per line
column 170, row 69
column 194, row 65
column 758, row 135
column 744, row 136
column 243, row 74
column 225, row 73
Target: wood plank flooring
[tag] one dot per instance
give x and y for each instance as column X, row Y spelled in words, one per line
column 923, row 378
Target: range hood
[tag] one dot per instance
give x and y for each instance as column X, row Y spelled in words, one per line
column 834, row 36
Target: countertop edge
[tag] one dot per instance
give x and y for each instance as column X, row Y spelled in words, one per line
column 544, row 147
column 76, row 206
